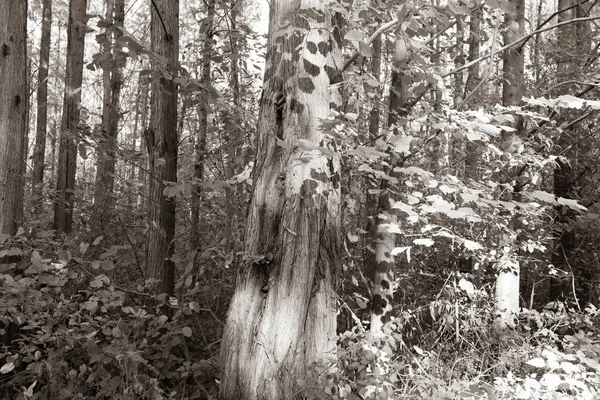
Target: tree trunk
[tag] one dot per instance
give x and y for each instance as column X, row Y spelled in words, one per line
column 162, row 145
column 67, row 154
column 107, row 146
column 563, row 173
column 473, row 77
column 13, row 126
column 233, row 123
column 385, row 241
column 513, row 90
column 472, row 149
column 42, row 104
column 281, row 326
column 203, row 108
column 143, row 171
column 13, row 110
column 132, row 197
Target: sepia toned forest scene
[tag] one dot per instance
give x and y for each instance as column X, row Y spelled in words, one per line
column 299, row 199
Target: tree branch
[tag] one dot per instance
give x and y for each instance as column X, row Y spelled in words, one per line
column 516, row 42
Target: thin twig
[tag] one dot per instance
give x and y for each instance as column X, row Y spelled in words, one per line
column 550, row 18
column 388, row 25
column 516, row 42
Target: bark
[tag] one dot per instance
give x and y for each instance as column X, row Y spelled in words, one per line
column 473, row 77
column 233, row 123
column 142, row 172
column 200, row 145
column 563, row 173
column 473, row 152
column 13, row 110
column 162, row 144
column 53, row 126
column 107, row 146
column 281, row 325
column 372, row 185
column 513, row 90
column 385, row 241
column 42, row 103
column 132, row 197
column 67, row 157
column 459, row 61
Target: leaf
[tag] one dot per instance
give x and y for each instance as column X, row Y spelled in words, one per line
column 354, row 280
column 83, row 247
column 362, row 303
column 187, row 331
column 160, row 162
column 537, row 362
column 424, row 242
column 96, row 283
column 402, row 144
column 6, row 368
column 354, row 34
column 107, row 265
column 65, row 256
column 466, row 286
column 47, row 279
column 365, row 49
column 194, row 306
column 171, row 191
column 391, row 228
column 572, row 204
column 399, row 250
column 82, row 150
column 543, row 196
column 471, row 245
column 418, row 350
column 97, row 241
column 352, row 238
column 29, row 391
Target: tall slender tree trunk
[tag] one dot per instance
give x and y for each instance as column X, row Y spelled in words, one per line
column 470, row 96
column 513, row 90
column 143, row 171
column 67, row 157
column 385, row 238
column 281, row 324
column 203, row 108
column 134, row 146
column 578, row 48
column 162, row 144
column 13, row 126
column 13, row 110
column 233, row 123
column 42, row 104
column 107, row 146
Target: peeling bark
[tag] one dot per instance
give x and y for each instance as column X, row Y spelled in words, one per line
column 280, row 329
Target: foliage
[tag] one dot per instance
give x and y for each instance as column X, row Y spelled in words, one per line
column 80, row 336
column 462, row 355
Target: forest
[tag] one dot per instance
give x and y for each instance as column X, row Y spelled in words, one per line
column 299, row 199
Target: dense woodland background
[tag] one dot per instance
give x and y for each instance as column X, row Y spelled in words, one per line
column 405, row 192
